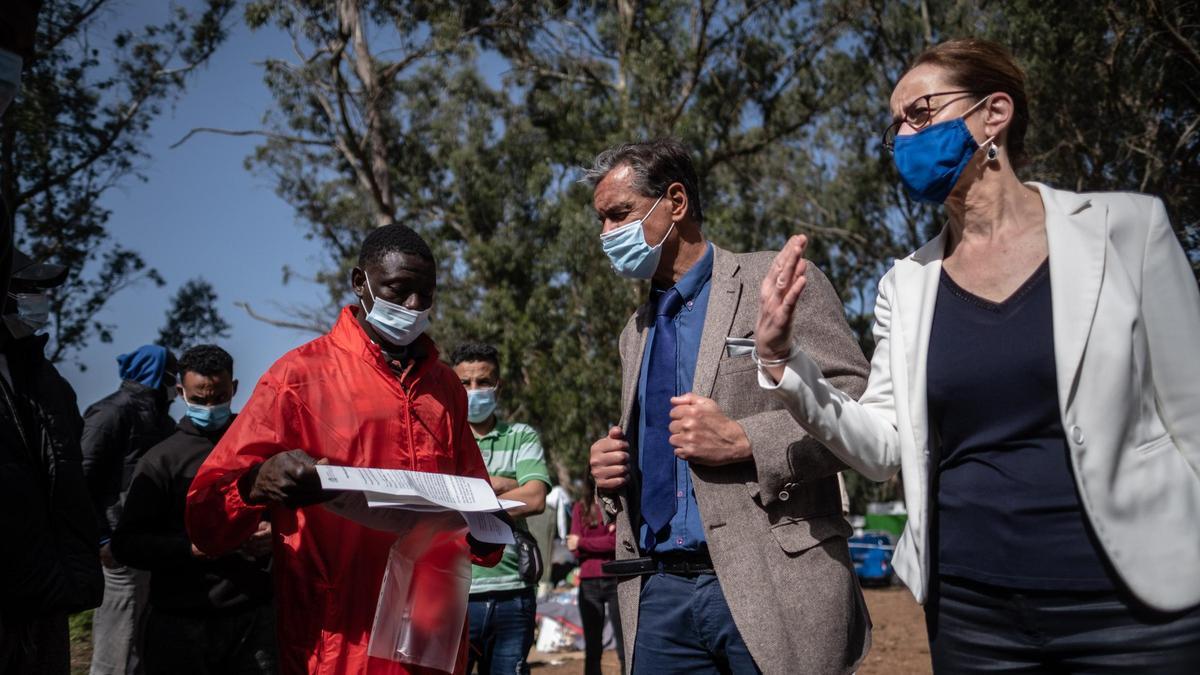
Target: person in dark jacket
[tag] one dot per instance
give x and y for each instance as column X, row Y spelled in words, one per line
column 117, row 431
column 207, row 615
column 50, row 566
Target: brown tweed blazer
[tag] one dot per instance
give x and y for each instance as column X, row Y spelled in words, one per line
column 774, row 525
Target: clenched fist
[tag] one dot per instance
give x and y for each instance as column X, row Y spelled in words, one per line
column 701, row 433
column 610, row 460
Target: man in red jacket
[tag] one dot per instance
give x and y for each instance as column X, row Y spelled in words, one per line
column 370, row 393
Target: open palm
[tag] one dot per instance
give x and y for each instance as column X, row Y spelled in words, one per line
column 781, row 287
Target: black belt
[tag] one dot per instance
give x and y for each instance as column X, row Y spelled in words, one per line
column 683, row 565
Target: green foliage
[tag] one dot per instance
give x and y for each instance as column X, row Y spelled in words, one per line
column 77, row 130
column 783, row 103
column 193, row 318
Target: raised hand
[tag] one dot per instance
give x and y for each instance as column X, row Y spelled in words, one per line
column 777, row 300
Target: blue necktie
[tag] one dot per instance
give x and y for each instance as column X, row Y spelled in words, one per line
column 658, row 457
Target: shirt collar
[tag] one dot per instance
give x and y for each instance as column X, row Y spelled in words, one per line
column 500, row 428
column 690, row 284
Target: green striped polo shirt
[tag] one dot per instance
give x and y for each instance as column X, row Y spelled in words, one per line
column 511, row 450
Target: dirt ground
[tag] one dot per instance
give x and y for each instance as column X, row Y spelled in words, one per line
column 899, row 646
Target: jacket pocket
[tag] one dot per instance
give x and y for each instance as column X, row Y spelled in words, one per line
column 735, row 364
column 799, row 535
column 1155, row 445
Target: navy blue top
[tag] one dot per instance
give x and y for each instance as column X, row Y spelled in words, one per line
column 1008, row 512
column 685, row 532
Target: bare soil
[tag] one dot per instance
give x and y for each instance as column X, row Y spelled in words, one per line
column 898, row 645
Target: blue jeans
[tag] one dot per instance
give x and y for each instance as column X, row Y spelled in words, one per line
column 684, row 626
column 501, row 625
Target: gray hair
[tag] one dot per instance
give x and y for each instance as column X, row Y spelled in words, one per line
column 656, row 165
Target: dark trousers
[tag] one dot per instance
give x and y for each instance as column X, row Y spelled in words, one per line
column 684, row 626
column 35, row 646
column 242, row 643
column 594, row 595
column 501, row 629
column 975, row 628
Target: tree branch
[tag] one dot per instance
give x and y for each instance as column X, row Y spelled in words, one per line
column 281, row 323
column 249, row 132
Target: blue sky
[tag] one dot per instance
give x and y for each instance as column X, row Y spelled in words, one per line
column 201, row 213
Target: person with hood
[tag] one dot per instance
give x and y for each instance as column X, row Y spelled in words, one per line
column 207, row 615
column 117, row 431
column 52, row 567
column 370, row 393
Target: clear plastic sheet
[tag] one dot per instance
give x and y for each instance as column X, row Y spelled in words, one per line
column 423, row 600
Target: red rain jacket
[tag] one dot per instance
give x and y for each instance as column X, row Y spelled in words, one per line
column 334, row 397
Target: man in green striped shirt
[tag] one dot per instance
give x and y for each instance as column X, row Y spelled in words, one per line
column 502, row 605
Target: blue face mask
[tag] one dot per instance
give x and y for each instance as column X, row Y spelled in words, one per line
column 627, row 250
column 397, row 324
column 481, row 403
column 931, row 160
column 208, row 416
column 10, row 78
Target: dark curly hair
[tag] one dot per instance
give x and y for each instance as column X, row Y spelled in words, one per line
column 394, row 238
column 475, row 351
column 206, row 360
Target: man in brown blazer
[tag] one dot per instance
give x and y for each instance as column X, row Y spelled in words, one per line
column 731, row 546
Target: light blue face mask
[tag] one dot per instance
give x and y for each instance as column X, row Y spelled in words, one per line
column 481, row 403
column 10, row 78
column 208, row 416
column 33, row 309
column 627, row 250
column 397, row 324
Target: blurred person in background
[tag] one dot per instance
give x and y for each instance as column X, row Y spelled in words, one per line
column 208, row 615
column 118, row 430
column 594, row 542
column 503, row 603
column 50, row 566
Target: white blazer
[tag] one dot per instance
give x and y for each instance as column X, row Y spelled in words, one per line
column 1126, row 314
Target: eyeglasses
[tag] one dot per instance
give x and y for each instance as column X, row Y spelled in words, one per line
column 919, row 114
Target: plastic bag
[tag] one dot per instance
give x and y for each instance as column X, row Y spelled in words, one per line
column 423, row 601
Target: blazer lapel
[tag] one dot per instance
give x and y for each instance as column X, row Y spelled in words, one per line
column 917, row 280
column 724, row 295
column 633, row 363
column 1076, row 232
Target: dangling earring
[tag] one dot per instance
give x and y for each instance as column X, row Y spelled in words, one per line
column 992, row 152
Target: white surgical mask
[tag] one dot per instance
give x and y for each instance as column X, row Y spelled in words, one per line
column 627, row 250
column 33, row 309
column 398, row 324
column 10, row 78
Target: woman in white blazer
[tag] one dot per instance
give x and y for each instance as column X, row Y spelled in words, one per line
column 1036, row 380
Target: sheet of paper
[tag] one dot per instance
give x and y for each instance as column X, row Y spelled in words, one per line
column 352, row 506
column 488, row 528
column 380, row 500
column 391, row 499
column 453, row 492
